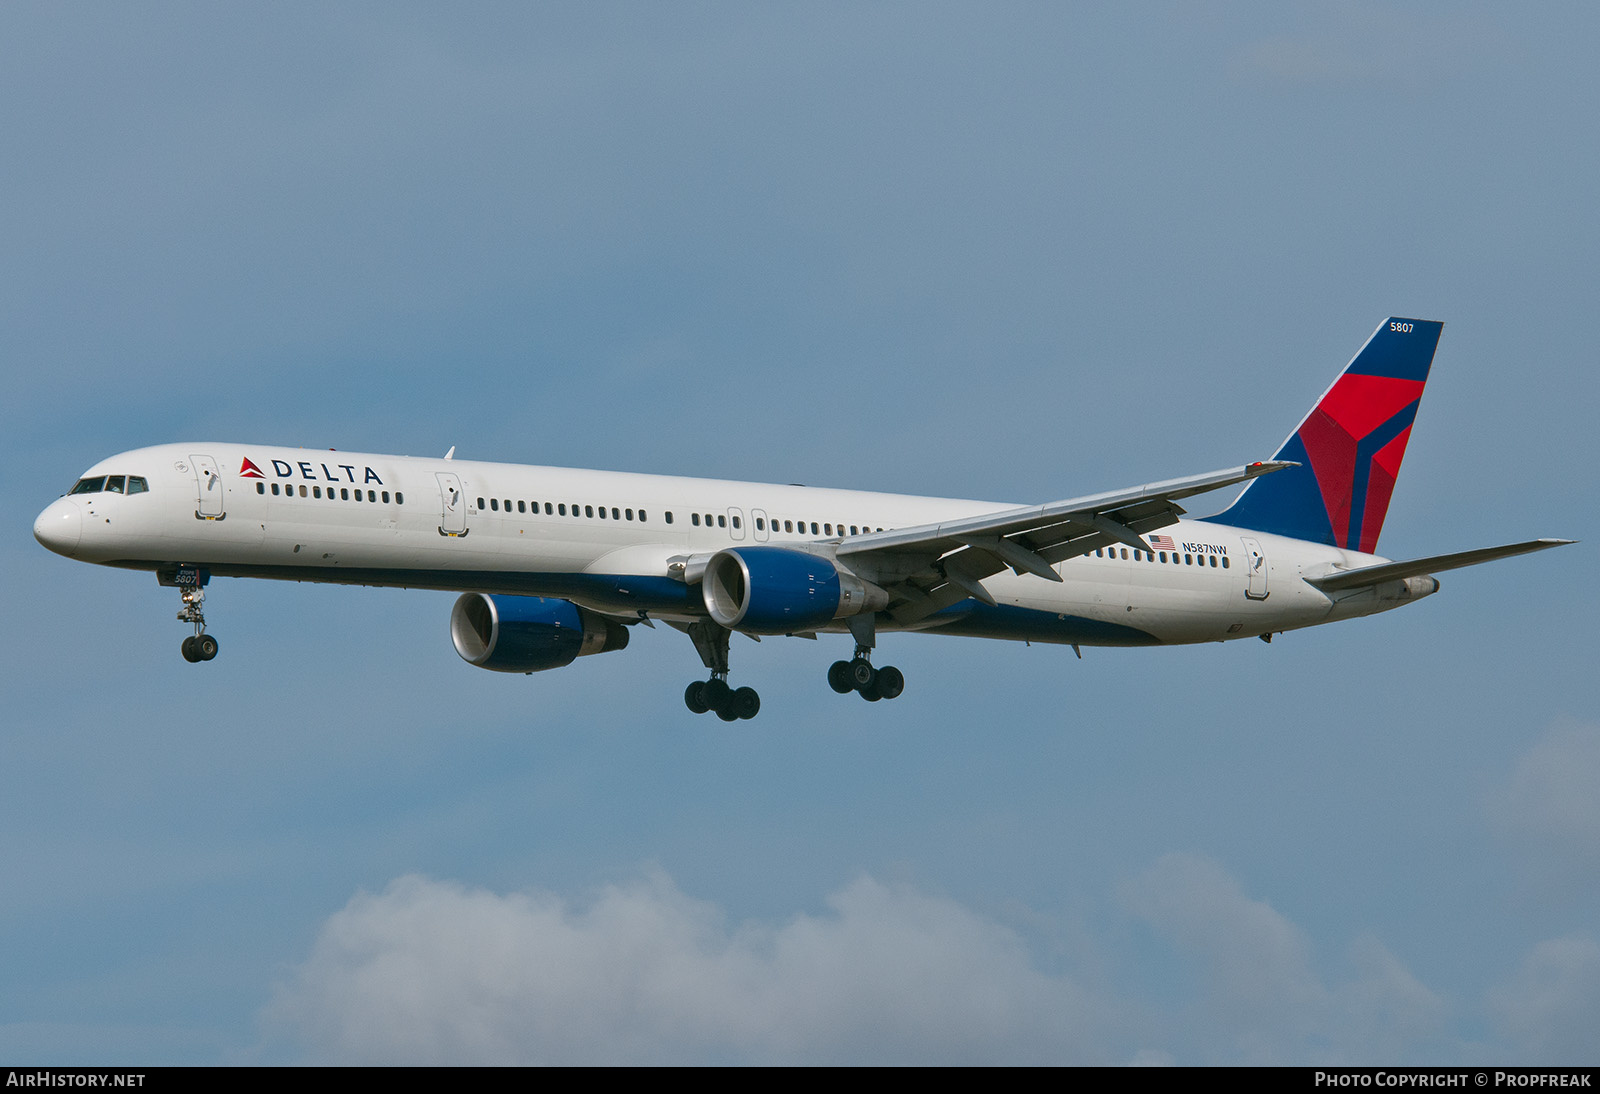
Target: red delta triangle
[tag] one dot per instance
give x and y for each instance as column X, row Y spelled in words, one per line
column 248, row 470
column 1355, row 407
column 1380, row 486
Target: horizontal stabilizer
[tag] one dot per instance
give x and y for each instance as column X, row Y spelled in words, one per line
column 1394, row 571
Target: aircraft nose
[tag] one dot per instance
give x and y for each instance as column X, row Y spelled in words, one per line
column 60, row 527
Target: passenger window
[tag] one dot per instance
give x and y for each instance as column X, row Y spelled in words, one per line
column 788, row 526
column 628, row 513
column 827, row 529
column 316, row 491
column 480, row 500
column 642, row 517
column 614, row 515
column 1188, row 560
column 761, row 525
column 669, row 516
column 494, row 503
column 694, row 519
column 302, row 491
column 1224, row 563
column 137, row 485
column 563, row 508
column 399, row 498
column 602, row 512
column 588, row 511
column 722, row 521
column 274, row 489
column 814, row 528
column 736, row 523
column 386, row 497
column 547, row 510
column 1213, row 559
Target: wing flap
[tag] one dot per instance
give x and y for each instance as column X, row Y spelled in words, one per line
column 936, row 539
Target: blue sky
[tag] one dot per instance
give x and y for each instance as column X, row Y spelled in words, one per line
column 997, row 251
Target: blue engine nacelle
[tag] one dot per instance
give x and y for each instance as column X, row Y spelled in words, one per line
column 774, row 590
column 529, row 633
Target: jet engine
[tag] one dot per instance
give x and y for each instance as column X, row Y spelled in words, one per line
column 775, row 590
column 529, row 633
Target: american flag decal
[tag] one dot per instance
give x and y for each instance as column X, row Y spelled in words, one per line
column 1162, row 543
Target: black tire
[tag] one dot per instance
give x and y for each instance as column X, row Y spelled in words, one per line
column 840, row 678
column 190, row 654
column 871, row 693
column 206, row 647
column 746, row 702
column 891, row 682
column 862, row 674
column 716, row 694
column 694, row 697
column 729, row 711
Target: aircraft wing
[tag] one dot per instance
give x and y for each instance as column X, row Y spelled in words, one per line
column 932, row 566
column 1391, row 571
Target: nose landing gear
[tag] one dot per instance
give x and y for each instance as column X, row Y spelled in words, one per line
column 191, row 583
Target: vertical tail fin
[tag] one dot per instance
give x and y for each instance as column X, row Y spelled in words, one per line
column 1349, row 446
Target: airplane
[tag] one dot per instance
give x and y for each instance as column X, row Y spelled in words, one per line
column 559, row 563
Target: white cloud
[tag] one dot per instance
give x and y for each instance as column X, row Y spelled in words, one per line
column 1549, row 801
column 1550, row 1009
column 432, row 972
column 1260, row 1000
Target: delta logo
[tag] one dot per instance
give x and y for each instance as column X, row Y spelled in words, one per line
column 306, row 469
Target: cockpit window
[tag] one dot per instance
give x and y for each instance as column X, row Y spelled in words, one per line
column 112, row 484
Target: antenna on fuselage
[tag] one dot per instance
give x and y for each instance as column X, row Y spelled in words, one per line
column 450, row 454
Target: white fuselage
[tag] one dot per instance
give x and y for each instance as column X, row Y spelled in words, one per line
column 606, row 540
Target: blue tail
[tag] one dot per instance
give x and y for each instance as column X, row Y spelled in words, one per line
column 1349, row 447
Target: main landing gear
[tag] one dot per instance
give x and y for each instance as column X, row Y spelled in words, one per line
column 199, row 646
column 858, row 675
column 730, row 704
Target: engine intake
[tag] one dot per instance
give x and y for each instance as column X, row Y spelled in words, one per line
column 529, row 633
column 773, row 590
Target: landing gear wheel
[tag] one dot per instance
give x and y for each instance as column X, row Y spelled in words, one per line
column 840, row 677
column 206, row 647
column 891, row 682
column 190, row 654
column 862, row 674
column 694, row 697
column 716, row 694
column 746, row 703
